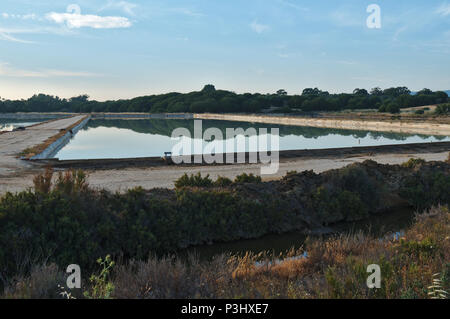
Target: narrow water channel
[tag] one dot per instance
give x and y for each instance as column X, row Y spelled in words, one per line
column 377, row 225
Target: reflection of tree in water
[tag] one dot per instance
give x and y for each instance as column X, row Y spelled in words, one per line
column 166, row 127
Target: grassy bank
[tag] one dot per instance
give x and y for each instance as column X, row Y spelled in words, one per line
column 65, row 222
column 333, row 268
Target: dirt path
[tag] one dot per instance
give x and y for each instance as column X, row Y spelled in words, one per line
column 427, row 127
column 12, row 143
column 124, row 179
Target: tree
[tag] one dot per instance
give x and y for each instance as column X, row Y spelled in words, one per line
column 425, row 92
column 376, row 91
column 393, row 108
column 314, row 92
column 209, row 88
column 395, row 92
column 81, row 98
column 281, row 92
column 360, row 92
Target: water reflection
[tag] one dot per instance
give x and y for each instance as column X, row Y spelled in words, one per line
column 394, row 221
column 152, row 137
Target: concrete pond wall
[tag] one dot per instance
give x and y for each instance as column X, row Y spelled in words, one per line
column 54, row 148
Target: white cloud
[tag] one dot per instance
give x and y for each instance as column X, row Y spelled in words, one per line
column 6, row 35
column 444, row 10
column 259, row 28
column 29, row 16
column 283, row 55
column 7, row 70
column 346, row 62
column 398, row 32
column 74, row 19
column 9, row 34
column 125, row 6
column 346, row 17
column 292, row 5
column 186, row 12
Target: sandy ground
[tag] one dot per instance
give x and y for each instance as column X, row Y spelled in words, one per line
column 124, row 179
column 17, row 175
column 12, row 143
column 433, row 127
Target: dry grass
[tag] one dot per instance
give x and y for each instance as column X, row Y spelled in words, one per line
column 42, row 283
column 333, row 268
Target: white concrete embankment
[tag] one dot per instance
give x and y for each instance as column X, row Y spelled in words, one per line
column 426, row 128
column 139, row 116
column 13, row 143
column 53, row 148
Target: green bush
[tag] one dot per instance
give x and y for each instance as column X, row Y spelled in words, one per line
column 392, row 107
column 442, row 109
column 250, row 178
column 69, row 223
column 413, row 162
column 193, row 181
column 423, row 189
column 223, row 182
column 332, row 207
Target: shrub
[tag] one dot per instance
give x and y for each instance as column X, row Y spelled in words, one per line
column 244, row 178
column 332, row 207
column 392, row 107
column 423, row 189
column 68, row 223
column 101, row 287
column 193, row 181
column 43, row 182
column 223, row 182
column 442, row 109
column 413, row 162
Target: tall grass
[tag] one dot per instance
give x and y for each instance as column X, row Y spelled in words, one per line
column 332, row 268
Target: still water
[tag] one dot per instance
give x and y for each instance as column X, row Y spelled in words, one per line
column 379, row 225
column 9, row 125
column 101, row 139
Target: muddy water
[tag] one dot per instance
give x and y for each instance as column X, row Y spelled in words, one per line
column 377, row 225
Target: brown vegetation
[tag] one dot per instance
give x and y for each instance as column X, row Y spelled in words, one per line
column 333, row 268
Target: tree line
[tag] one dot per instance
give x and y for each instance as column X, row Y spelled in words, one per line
column 209, row 99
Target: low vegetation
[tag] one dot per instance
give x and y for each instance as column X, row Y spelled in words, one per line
column 205, row 182
column 63, row 221
column 413, row 265
column 442, row 109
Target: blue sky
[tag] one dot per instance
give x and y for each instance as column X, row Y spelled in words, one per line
column 113, row 49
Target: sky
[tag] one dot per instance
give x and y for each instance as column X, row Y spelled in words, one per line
column 113, row 49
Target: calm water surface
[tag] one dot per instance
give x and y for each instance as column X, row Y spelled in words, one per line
column 11, row 124
column 379, row 225
column 101, row 139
